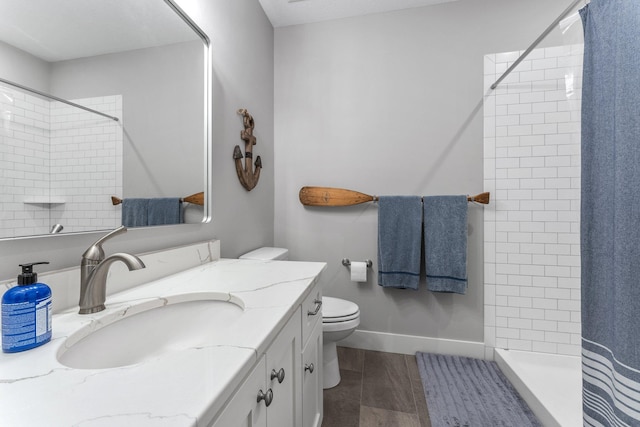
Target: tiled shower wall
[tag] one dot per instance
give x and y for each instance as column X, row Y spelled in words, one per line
column 532, row 226
column 58, row 164
column 24, row 162
column 86, row 164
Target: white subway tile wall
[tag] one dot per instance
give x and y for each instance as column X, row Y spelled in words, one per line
column 24, row 161
column 59, row 164
column 532, row 226
column 86, row 164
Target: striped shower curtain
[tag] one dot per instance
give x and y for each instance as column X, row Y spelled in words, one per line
column 610, row 218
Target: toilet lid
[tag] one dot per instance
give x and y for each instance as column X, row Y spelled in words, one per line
column 336, row 308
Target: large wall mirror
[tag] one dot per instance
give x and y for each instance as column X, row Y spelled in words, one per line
column 104, row 116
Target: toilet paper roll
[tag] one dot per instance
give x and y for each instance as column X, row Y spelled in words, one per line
column 358, row 271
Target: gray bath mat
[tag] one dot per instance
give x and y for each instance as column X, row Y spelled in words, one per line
column 466, row 392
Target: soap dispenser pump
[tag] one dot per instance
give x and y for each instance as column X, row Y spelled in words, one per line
column 26, row 312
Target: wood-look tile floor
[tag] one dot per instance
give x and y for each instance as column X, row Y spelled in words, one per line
column 377, row 390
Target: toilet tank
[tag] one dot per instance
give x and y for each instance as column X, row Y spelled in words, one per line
column 267, row 253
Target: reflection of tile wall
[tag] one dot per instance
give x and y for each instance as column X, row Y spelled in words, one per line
column 35, row 168
column 532, row 168
column 24, row 162
column 86, row 164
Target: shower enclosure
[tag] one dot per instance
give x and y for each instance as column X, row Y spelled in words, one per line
column 532, row 230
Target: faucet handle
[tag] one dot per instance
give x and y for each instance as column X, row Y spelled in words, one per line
column 95, row 251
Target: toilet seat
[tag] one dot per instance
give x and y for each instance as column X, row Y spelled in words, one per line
column 338, row 310
column 341, row 318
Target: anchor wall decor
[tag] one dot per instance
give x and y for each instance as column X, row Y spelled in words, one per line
column 247, row 176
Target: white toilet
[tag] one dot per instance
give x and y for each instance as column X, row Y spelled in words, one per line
column 339, row 319
column 267, row 254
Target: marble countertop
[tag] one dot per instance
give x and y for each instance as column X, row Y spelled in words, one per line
column 180, row 388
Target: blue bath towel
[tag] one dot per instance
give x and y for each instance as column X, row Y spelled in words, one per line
column 399, row 241
column 164, row 210
column 445, row 243
column 135, row 212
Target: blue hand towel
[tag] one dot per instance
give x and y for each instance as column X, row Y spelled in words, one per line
column 399, row 241
column 445, row 243
column 164, row 210
column 134, row 212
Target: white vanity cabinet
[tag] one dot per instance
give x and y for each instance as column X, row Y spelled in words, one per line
column 218, row 367
column 285, row 387
column 284, row 376
column 243, row 409
column 312, row 380
column 312, row 358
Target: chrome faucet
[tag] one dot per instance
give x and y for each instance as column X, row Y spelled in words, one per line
column 94, row 269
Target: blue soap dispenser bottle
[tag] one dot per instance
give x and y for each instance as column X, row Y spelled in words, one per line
column 26, row 313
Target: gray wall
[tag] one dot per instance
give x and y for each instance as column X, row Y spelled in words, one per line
column 242, row 39
column 162, row 91
column 390, row 104
column 20, row 67
column 384, row 104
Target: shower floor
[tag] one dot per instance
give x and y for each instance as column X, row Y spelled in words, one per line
column 551, row 384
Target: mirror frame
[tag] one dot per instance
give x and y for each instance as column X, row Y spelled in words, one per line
column 208, row 134
column 208, row 107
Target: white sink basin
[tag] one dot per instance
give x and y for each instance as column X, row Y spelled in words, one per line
column 150, row 330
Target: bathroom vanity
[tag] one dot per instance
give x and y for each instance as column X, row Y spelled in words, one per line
column 216, row 344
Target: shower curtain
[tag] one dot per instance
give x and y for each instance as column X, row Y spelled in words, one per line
column 610, row 213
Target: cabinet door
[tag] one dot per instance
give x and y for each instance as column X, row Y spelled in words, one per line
column 284, row 376
column 312, row 380
column 311, row 312
column 243, row 410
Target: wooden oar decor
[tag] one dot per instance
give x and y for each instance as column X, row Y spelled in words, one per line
column 328, row 196
column 196, row 199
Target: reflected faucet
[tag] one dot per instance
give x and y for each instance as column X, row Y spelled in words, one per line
column 57, row 228
column 94, row 269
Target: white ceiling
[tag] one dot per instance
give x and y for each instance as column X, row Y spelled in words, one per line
column 292, row 12
column 69, row 29
column 60, row 30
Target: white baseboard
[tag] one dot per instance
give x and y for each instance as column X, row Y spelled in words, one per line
column 410, row 344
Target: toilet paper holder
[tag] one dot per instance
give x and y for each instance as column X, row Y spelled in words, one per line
column 346, row 262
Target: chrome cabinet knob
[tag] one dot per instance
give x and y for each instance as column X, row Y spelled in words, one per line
column 279, row 375
column 267, row 397
column 318, row 303
column 309, row 368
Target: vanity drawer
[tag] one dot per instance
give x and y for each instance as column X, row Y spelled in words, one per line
column 311, row 312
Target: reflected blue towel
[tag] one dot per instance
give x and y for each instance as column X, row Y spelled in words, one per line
column 445, row 243
column 164, row 210
column 399, row 241
column 134, row 212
